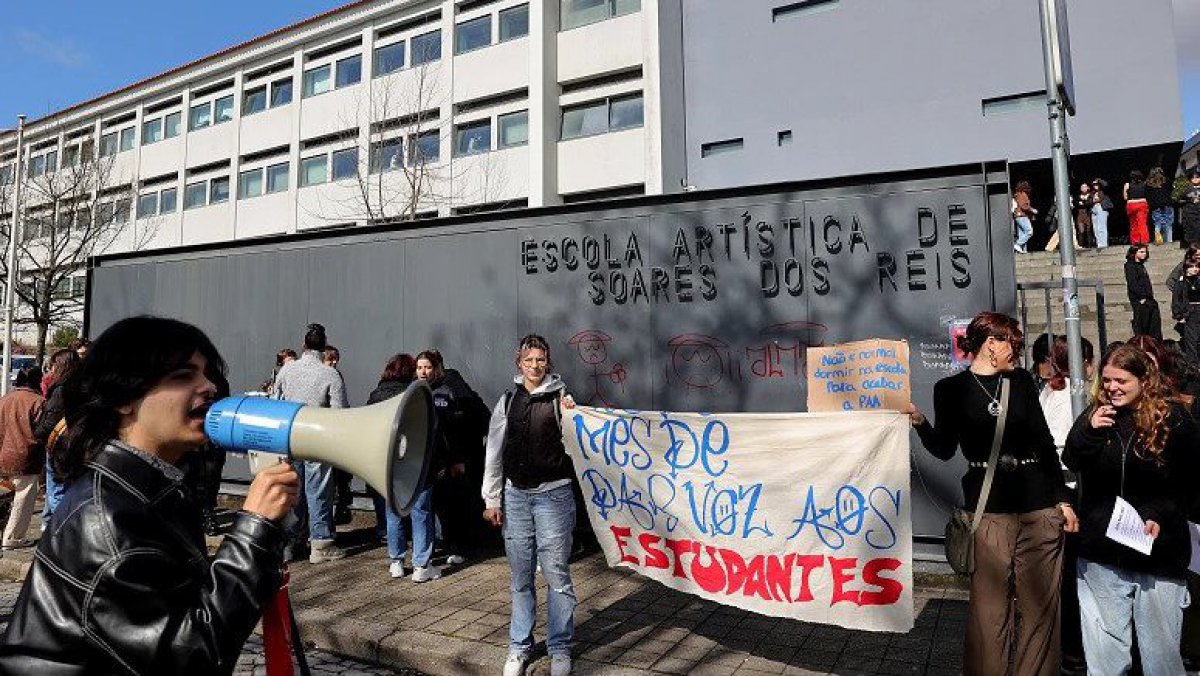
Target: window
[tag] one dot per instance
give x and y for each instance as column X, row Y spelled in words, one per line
column 277, row 177
column 514, row 23
column 281, row 92
column 51, row 161
column 250, row 183
column 223, row 109
column 513, row 129
column 195, row 195
column 576, row 13
column 70, row 158
column 625, row 113
column 147, row 205
column 218, row 190
column 314, row 170
column 802, row 8
column 127, row 139
column 171, row 125
column 473, row 138
column 428, row 148
column 602, row 116
column 427, row 48
column 784, row 137
column 121, row 211
column 585, row 120
column 166, row 201
column 78, row 286
column 345, row 163
column 349, row 71
column 37, row 166
column 473, row 34
column 108, row 144
column 254, row 100
column 152, row 131
column 389, row 59
column 199, row 116
column 720, row 147
column 316, row 81
column 386, row 155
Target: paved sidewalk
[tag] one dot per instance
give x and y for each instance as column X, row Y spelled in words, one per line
column 625, row 624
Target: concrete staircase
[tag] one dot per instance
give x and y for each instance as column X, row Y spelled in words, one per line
column 1106, row 266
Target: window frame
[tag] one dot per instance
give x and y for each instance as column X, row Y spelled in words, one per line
column 230, row 106
column 607, row 103
column 276, row 86
column 420, row 38
column 343, row 63
column 335, row 156
column 141, row 200
column 148, row 138
column 108, row 144
column 458, row 28
column 212, row 190
column 308, row 79
column 306, row 162
column 189, row 190
column 268, row 178
column 375, row 166
column 177, row 127
column 242, row 193
column 195, row 123
column 500, row 144
column 376, row 71
column 612, row 11
column 460, row 129
column 257, row 93
column 122, row 146
column 510, row 11
column 414, row 147
column 162, row 200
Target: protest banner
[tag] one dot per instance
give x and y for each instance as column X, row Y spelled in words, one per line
column 799, row 515
column 863, row 375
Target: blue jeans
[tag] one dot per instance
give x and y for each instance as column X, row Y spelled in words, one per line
column 1024, row 231
column 421, row 515
column 316, row 480
column 1113, row 603
column 1163, row 219
column 541, row 524
column 54, row 493
column 1100, row 226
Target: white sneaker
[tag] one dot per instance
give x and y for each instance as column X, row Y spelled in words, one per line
column 560, row 664
column 396, row 569
column 426, row 574
column 455, row 560
column 515, row 664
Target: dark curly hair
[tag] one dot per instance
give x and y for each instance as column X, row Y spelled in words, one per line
column 992, row 325
column 124, row 364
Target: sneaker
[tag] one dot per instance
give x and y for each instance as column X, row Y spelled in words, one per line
column 396, row 569
column 560, row 664
column 455, row 560
column 425, row 574
column 515, row 664
column 325, row 550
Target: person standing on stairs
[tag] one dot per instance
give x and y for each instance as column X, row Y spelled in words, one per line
column 1185, row 307
column 1146, row 318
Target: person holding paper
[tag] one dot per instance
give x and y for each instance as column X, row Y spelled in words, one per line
column 1013, row 616
column 1136, row 454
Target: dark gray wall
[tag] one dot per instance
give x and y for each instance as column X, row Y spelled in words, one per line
column 883, row 86
column 709, row 339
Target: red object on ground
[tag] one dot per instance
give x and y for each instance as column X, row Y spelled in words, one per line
column 277, row 632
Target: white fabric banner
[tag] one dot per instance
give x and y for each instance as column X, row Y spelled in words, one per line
column 801, row 515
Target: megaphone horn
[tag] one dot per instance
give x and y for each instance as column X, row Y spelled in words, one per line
column 387, row 444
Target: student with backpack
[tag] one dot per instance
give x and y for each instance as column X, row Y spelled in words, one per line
column 527, row 490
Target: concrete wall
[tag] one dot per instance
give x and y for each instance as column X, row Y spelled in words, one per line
column 733, row 289
column 879, row 86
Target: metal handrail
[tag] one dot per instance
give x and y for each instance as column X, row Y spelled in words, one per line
column 1046, row 288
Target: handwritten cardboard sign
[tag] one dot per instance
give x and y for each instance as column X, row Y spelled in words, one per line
column 861, row 376
column 799, row 515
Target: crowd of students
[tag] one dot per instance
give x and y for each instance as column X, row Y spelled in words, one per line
column 1051, row 590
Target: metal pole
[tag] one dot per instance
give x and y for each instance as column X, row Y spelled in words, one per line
column 1059, row 150
column 11, row 283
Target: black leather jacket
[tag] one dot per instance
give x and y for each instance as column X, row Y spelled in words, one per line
column 122, row 583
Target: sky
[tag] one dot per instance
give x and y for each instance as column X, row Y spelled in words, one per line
column 61, row 52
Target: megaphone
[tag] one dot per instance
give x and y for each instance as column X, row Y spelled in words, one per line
column 387, row 444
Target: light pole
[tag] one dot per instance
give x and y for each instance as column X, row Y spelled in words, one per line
column 10, row 283
column 1058, row 91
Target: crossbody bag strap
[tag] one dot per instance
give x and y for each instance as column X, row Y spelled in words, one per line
column 990, row 472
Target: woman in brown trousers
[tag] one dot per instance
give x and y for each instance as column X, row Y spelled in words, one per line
column 1013, row 615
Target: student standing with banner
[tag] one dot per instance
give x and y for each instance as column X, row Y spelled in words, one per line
column 527, row 490
column 1020, row 536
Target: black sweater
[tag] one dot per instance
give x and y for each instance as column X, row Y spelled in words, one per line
column 960, row 409
column 1137, row 282
column 1163, row 494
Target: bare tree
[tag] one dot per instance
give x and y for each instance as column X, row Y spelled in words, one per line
column 404, row 174
column 74, row 207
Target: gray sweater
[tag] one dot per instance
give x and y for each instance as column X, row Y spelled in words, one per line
column 308, row 381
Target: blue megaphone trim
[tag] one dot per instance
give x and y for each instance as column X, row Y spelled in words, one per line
column 246, row 424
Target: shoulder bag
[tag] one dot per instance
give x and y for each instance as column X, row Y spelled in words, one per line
column 960, row 531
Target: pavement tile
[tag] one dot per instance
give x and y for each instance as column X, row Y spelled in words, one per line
column 654, row 646
column 703, row 669
column 776, row 652
column 672, row 665
column 639, row 659
column 763, row 664
column 688, row 652
column 897, row 668
column 858, row 664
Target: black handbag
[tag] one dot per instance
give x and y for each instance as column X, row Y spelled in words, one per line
column 960, row 531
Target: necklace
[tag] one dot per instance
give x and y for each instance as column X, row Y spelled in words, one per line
column 994, row 408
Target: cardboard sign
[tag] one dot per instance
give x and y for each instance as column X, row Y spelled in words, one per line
column 861, row 376
column 800, row 515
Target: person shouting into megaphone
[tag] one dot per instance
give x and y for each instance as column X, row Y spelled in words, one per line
column 122, row 581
